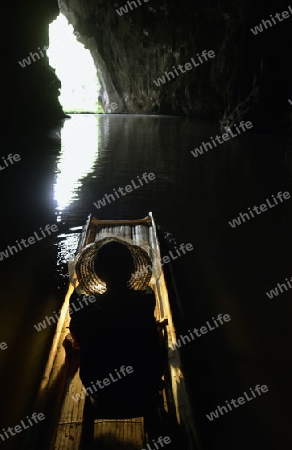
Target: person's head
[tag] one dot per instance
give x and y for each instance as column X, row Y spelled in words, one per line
column 114, row 264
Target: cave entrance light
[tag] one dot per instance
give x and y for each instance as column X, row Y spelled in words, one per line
column 75, row 69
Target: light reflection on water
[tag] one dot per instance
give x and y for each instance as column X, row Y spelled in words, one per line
column 79, row 153
column 66, row 250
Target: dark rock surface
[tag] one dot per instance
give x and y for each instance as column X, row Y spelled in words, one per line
column 249, row 77
column 31, row 91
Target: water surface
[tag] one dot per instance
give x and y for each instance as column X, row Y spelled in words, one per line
column 64, row 172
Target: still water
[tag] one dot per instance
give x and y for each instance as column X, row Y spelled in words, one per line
column 60, row 176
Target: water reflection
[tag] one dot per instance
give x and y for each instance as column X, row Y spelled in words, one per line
column 79, row 153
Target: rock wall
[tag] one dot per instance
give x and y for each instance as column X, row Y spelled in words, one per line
column 32, row 89
column 249, row 77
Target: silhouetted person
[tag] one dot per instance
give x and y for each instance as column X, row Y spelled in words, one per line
column 117, row 331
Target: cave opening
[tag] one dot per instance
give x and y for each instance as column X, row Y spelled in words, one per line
column 74, row 66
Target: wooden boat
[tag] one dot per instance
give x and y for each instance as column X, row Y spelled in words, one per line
column 68, row 426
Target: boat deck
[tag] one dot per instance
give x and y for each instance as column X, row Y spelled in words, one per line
column 69, row 425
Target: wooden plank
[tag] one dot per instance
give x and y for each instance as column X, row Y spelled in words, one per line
column 127, row 231
column 140, row 235
column 90, row 237
column 109, row 231
column 117, row 230
column 122, row 434
column 71, row 419
column 66, row 414
column 121, row 222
